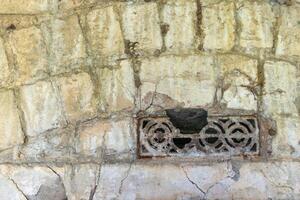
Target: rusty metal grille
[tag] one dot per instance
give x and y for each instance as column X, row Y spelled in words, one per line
column 221, row 135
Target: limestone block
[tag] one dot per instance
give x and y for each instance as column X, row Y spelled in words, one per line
column 35, row 182
column 141, row 24
column 251, row 185
column 282, row 92
column 24, row 6
column 10, row 127
column 67, row 46
column 69, row 4
column 112, row 135
column 90, row 141
column 184, row 185
column 190, row 80
column 55, row 145
column 218, row 25
column 5, row 72
column 117, row 88
column 257, row 20
column 225, row 180
column 79, row 180
column 239, row 79
column 229, row 180
column 13, row 22
column 8, row 189
column 289, row 32
column 41, row 107
column 273, row 180
column 30, row 52
column 78, row 99
column 286, row 142
column 105, row 33
column 180, row 15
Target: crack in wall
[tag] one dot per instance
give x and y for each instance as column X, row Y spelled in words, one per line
column 18, row 188
column 135, row 60
column 276, row 184
column 193, row 183
column 125, row 177
column 233, row 175
column 97, row 180
column 60, row 179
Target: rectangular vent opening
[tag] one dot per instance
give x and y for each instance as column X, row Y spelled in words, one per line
column 197, row 134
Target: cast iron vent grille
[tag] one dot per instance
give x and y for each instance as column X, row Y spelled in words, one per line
column 220, row 135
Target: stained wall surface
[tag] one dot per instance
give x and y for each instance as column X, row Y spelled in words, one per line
column 76, row 74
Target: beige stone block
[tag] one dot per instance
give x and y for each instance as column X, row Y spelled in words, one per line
column 286, row 141
column 36, row 182
column 180, row 15
column 158, row 179
column 190, row 80
column 141, row 24
column 79, row 180
column 10, row 22
column 10, row 127
column 252, row 184
column 77, row 92
column 257, row 20
column 69, row 4
column 227, row 180
column 105, row 33
column 8, row 189
column 67, row 46
column 30, row 52
column 281, row 89
column 5, row 72
column 24, row 6
column 89, row 141
column 117, row 88
column 218, row 25
column 238, row 75
column 288, row 43
column 112, row 135
column 41, row 107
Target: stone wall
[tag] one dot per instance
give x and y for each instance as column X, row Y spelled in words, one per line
column 76, row 74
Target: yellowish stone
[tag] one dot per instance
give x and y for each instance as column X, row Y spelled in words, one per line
column 77, row 93
column 190, row 80
column 5, row 72
column 286, row 141
column 281, row 89
column 117, row 88
column 105, row 33
column 141, row 24
column 180, row 15
column 24, row 6
column 10, row 127
column 218, row 25
column 257, row 20
column 114, row 136
column 31, row 54
column 69, row 4
column 288, row 43
column 68, row 47
column 40, row 104
column 239, row 80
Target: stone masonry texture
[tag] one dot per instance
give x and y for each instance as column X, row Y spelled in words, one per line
column 75, row 75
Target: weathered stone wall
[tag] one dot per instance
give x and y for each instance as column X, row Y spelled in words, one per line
column 75, row 74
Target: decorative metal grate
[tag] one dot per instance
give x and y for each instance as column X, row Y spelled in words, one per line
column 219, row 135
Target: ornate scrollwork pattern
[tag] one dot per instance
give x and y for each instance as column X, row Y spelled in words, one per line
column 229, row 135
